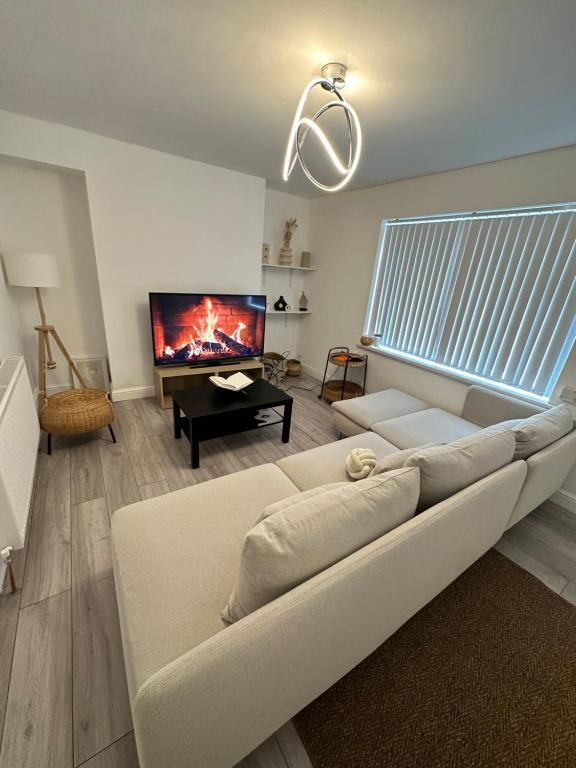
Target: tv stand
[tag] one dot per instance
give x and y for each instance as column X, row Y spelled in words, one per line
column 169, row 378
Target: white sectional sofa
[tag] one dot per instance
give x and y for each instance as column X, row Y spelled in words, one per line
column 203, row 693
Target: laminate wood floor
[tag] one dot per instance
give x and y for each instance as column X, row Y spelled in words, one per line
column 63, row 697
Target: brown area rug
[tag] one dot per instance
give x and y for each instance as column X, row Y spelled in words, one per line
column 485, row 675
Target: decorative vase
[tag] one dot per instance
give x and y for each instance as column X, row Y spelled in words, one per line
column 306, row 259
column 366, row 341
column 303, row 302
column 286, row 256
column 281, row 304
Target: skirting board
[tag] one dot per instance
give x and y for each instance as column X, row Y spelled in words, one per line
column 132, row 393
column 313, row 372
column 564, row 499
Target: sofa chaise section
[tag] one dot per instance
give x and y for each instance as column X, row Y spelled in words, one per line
column 176, row 559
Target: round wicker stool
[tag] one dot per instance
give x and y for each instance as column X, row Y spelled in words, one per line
column 76, row 412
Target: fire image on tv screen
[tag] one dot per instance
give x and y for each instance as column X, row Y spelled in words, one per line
column 195, row 328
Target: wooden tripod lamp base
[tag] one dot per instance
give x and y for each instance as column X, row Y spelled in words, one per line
column 44, row 351
column 74, row 411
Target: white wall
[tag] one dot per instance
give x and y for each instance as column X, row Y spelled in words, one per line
column 159, row 223
column 344, row 233
column 282, row 333
column 46, row 210
column 11, row 342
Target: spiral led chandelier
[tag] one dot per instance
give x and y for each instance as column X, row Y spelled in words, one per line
column 332, row 79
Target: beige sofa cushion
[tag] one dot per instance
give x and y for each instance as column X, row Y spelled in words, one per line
column 485, row 407
column 378, row 406
column 289, row 547
column 284, row 504
column 397, row 460
column 447, row 469
column 176, row 558
column 542, row 429
column 326, row 463
column 431, row 426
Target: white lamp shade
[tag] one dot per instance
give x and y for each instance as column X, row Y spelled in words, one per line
column 33, row 270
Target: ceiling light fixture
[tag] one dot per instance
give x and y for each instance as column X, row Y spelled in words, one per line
column 333, row 79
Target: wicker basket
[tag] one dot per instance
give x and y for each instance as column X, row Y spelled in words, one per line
column 76, row 411
column 333, row 390
column 293, row 367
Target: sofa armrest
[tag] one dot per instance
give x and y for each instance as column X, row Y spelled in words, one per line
column 547, row 470
column 216, row 703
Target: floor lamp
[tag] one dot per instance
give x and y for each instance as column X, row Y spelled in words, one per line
column 39, row 270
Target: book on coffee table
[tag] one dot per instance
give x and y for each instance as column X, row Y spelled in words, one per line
column 235, row 383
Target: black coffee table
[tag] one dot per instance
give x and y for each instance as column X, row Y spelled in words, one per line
column 203, row 413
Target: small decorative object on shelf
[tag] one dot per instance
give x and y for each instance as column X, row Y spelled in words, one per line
column 303, row 302
column 343, row 389
column 286, row 253
column 281, row 304
column 306, row 259
column 367, row 341
column 265, row 253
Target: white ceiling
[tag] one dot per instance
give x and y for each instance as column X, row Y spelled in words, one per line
column 438, row 84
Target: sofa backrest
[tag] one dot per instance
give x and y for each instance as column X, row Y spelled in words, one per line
column 216, row 703
column 486, row 407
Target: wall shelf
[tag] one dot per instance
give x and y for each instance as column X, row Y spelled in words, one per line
column 289, row 266
column 288, row 312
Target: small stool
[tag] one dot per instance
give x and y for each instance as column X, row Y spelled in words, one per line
column 76, row 412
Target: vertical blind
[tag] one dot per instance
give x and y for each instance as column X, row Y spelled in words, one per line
column 493, row 294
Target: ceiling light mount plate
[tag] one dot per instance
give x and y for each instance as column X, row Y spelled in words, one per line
column 336, row 73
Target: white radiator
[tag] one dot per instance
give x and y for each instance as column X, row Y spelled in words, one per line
column 19, row 436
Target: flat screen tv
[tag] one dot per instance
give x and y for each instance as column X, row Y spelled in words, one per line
column 206, row 328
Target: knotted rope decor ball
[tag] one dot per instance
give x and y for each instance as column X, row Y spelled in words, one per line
column 359, row 463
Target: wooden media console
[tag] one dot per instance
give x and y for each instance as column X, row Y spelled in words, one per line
column 169, row 378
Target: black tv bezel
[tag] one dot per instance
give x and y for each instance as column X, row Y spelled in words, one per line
column 213, row 360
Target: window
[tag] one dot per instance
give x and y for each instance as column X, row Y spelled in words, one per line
column 492, row 294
